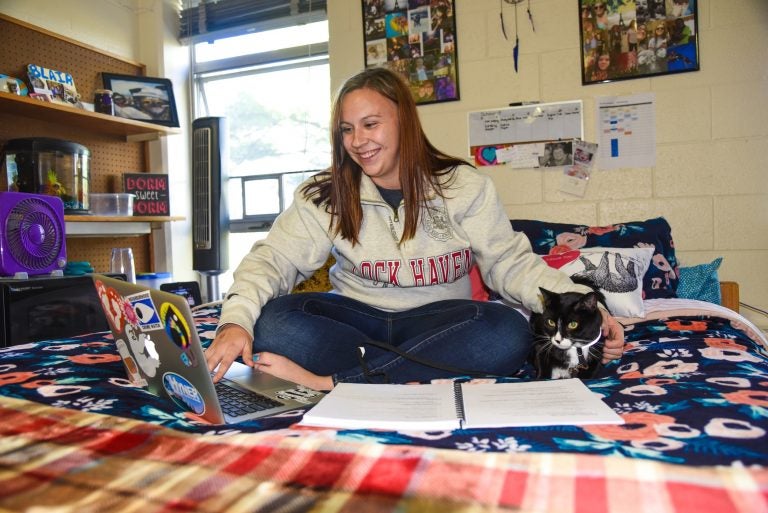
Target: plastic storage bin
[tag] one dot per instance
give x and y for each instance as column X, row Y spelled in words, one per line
column 153, row 280
column 118, row 204
column 42, row 165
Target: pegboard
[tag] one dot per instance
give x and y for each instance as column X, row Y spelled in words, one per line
column 97, row 251
column 110, row 156
column 24, row 45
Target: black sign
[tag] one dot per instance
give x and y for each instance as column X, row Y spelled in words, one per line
column 151, row 193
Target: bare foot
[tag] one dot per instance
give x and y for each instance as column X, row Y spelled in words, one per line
column 284, row 368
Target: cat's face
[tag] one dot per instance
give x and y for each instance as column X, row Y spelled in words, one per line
column 568, row 320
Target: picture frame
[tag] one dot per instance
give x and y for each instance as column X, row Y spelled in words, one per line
column 643, row 38
column 140, row 98
column 417, row 39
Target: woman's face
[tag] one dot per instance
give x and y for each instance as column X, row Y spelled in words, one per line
column 600, row 9
column 603, row 62
column 370, row 134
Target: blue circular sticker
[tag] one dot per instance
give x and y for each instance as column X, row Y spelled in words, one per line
column 183, row 393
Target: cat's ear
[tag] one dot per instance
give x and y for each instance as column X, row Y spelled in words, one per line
column 546, row 296
column 589, row 301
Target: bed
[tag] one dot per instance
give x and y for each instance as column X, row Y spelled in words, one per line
column 692, row 388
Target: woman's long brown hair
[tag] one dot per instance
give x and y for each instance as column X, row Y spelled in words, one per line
column 422, row 166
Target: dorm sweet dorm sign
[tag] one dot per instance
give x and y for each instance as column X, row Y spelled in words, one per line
column 150, row 190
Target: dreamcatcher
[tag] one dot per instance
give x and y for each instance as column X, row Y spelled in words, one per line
column 516, row 49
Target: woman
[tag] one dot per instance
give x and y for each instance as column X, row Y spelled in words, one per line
column 602, row 65
column 601, row 15
column 658, row 42
column 405, row 223
column 561, row 155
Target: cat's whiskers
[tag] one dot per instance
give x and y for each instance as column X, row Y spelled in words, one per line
column 547, row 347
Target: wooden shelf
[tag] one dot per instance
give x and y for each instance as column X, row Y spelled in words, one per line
column 130, row 129
column 117, row 144
column 113, row 226
column 85, row 218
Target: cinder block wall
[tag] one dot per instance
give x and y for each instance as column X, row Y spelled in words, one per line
column 710, row 179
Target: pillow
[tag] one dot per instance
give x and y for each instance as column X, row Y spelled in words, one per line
column 661, row 279
column 479, row 290
column 701, row 282
column 618, row 273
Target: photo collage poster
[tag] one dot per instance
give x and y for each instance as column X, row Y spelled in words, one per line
column 625, row 39
column 417, row 39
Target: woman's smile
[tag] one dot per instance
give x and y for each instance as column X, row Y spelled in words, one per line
column 370, row 131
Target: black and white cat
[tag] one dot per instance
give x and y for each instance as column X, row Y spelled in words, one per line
column 567, row 335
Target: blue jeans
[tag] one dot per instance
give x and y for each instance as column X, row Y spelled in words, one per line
column 322, row 331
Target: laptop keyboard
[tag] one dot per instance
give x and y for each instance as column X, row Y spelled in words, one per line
column 235, row 402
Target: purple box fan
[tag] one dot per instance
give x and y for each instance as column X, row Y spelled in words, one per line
column 32, row 234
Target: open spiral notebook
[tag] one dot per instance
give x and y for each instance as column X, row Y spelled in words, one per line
column 455, row 405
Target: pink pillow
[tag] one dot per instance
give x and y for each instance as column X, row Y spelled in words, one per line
column 479, row 290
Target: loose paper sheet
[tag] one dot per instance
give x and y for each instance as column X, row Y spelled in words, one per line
column 535, row 403
column 394, row 407
column 576, row 176
column 626, row 127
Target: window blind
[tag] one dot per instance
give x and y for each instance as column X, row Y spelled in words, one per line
column 205, row 20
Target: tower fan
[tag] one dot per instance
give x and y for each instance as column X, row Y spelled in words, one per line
column 210, row 216
column 32, row 236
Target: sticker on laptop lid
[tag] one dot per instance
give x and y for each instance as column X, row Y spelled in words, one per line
column 143, row 349
column 117, row 310
column 146, row 313
column 177, row 328
column 183, row 393
column 130, row 364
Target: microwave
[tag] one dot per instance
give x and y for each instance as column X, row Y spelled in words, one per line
column 47, row 307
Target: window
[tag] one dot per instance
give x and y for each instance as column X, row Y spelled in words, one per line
column 273, row 87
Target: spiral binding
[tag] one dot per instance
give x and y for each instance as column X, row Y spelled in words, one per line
column 458, row 399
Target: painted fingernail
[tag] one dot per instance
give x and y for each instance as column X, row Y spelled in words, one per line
column 255, row 358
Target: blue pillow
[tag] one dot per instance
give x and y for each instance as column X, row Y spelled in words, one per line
column 700, row 282
column 660, row 281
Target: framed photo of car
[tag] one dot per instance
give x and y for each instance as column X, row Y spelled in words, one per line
column 142, row 98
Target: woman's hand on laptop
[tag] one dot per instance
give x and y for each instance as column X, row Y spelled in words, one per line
column 231, row 341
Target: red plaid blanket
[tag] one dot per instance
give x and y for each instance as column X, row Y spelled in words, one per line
column 66, row 460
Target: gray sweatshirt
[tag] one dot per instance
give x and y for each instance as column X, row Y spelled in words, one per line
column 468, row 226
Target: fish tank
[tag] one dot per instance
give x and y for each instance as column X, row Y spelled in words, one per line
column 42, row 165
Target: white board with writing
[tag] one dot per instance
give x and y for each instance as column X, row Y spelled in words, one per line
column 526, row 124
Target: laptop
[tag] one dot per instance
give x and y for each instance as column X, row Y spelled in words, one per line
column 156, row 337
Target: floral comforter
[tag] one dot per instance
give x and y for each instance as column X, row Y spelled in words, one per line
column 692, row 389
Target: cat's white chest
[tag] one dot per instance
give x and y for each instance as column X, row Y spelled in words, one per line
column 573, row 356
column 572, row 361
column 560, row 373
